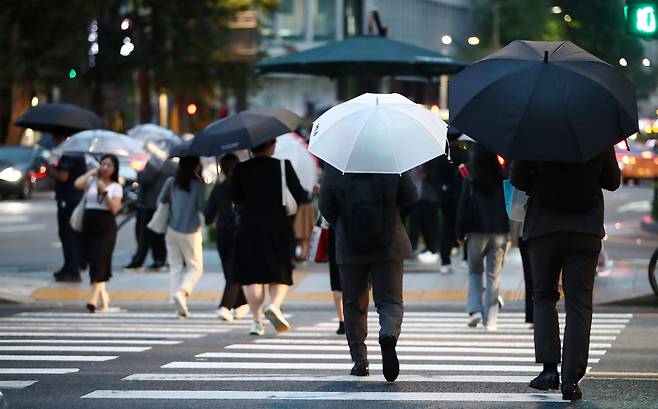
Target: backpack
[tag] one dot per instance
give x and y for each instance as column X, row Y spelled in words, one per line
column 567, row 187
column 367, row 221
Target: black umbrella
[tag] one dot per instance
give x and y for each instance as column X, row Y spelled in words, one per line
column 245, row 130
column 180, row 149
column 60, row 118
column 545, row 101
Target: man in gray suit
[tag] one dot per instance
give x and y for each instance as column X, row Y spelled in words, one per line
column 371, row 245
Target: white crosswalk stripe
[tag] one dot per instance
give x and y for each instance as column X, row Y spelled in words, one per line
column 51, row 338
column 433, row 348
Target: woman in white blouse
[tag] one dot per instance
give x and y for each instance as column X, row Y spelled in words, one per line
column 102, row 201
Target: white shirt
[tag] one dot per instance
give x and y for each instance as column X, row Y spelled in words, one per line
column 93, row 201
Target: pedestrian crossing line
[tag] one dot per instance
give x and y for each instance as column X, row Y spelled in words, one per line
column 127, row 314
column 58, row 358
column 458, row 343
column 133, row 328
column 256, row 377
column 37, row 371
column 477, row 336
column 41, row 348
column 124, row 320
column 433, row 325
column 16, row 384
column 371, row 357
column 500, row 314
column 323, row 396
column 101, row 335
column 464, row 319
column 89, row 341
column 466, row 331
column 347, row 366
column 417, row 349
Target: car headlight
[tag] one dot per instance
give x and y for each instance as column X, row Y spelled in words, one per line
column 11, row 174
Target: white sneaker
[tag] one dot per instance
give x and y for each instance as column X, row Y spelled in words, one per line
column 241, row 311
column 273, row 314
column 445, row 270
column 474, row 319
column 501, row 301
column 257, row 328
column 491, row 327
column 225, row 314
column 180, row 300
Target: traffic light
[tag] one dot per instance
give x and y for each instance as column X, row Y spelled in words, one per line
column 641, row 18
column 191, row 108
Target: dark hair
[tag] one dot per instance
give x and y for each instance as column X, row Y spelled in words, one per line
column 115, row 162
column 186, row 171
column 228, row 163
column 263, row 146
column 486, row 171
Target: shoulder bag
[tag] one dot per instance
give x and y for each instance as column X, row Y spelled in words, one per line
column 160, row 220
column 289, row 201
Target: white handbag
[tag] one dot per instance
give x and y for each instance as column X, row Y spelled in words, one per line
column 289, row 201
column 160, row 220
column 78, row 215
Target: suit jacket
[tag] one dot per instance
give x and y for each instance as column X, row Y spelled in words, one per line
column 602, row 172
column 399, row 191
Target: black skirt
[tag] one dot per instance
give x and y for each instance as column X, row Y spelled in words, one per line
column 99, row 235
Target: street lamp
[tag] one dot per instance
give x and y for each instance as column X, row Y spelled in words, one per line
column 623, row 62
column 473, row 40
column 567, row 18
column 646, row 62
column 446, row 39
column 556, row 9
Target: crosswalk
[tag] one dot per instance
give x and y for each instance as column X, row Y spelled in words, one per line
column 34, row 345
column 312, row 363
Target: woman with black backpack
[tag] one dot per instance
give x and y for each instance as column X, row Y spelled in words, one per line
column 482, row 218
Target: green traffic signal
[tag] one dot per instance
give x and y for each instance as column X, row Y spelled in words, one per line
column 72, row 73
column 641, row 18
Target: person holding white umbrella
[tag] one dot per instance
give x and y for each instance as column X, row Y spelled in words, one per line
column 370, row 142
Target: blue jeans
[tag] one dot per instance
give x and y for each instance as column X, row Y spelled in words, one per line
column 491, row 246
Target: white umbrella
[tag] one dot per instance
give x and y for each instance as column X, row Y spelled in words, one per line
column 100, row 142
column 291, row 146
column 156, row 139
column 378, row 133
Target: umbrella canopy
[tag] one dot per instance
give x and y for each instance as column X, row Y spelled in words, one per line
column 59, row 118
column 163, row 138
column 245, row 130
column 378, row 133
column 544, row 101
column 101, row 142
column 366, row 55
column 291, row 146
column 181, row 149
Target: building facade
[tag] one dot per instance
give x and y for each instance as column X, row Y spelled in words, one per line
column 304, row 24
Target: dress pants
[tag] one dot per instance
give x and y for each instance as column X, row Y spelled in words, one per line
column 448, row 231
column 70, row 240
column 147, row 239
column 233, row 295
column 185, row 253
column 527, row 279
column 386, row 279
column 425, row 221
column 575, row 255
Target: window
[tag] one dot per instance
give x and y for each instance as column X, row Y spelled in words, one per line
column 291, row 26
column 324, row 19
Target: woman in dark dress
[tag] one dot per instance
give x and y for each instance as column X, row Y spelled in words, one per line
column 263, row 243
column 220, row 207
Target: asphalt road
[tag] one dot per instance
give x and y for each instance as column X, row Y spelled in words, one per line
column 211, row 364
column 29, row 241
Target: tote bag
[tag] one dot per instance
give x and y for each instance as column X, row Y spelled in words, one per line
column 160, row 220
column 78, row 215
column 515, row 201
column 289, row 201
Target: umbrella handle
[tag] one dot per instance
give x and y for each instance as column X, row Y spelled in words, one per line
column 628, row 148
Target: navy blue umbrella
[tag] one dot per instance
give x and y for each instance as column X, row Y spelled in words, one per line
column 60, row 118
column 245, row 130
column 543, row 101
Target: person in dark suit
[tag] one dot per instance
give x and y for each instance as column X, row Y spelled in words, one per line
column 563, row 229
column 371, row 245
column 263, row 248
column 67, row 170
column 150, row 180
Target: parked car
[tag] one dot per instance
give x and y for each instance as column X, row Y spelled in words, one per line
column 23, row 170
column 638, row 163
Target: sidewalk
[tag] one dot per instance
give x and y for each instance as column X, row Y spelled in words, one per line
column 422, row 282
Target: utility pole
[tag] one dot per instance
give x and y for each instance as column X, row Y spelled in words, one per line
column 496, row 25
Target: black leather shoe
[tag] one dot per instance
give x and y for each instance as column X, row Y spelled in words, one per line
column 360, row 368
column 571, row 391
column 341, row 328
column 546, row 380
column 390, row 363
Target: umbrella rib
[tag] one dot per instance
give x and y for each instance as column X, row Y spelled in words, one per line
column 578, row 144
column 354, row 144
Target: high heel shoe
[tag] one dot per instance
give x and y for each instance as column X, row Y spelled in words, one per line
column 91, row 307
